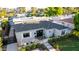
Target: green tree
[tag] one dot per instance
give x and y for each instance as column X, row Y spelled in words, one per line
column 59, row 10
column 76, row 21
column 50, row 11
column 33, row 46
column 70, row 10
column 4, row 23
column 40, row 13
column 3, row 12
column 33, row 11
column 22, row 10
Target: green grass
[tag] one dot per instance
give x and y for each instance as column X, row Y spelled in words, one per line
column 66, row 43
column 69, row 45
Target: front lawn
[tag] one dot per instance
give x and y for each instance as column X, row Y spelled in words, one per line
column 65, row 43
column 68, row 45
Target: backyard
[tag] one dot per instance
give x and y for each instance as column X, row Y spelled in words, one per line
column 66, row 43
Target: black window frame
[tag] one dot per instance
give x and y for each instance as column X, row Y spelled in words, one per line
column 26, row 35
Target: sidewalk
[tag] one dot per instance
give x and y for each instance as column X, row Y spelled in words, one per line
column 49, row 47
column 12, row 47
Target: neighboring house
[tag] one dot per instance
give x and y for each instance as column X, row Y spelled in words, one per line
column 68, row 22
column 63, row 17
column 21, row 15
column 65, row 20
column 30, row 32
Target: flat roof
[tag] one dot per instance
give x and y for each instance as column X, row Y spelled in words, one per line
column 68, row 20
column 41, row 24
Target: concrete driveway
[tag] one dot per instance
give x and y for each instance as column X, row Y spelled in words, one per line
column 12, row 47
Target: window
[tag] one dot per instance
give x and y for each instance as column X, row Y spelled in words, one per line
column 26, row 35
column 63, row 32
column 34, row 33
column 31, row 42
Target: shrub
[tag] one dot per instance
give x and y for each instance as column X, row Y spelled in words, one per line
column 23, row 49
column 27, row 48
column 38, row 45
column 33, row 46
column 76, row 33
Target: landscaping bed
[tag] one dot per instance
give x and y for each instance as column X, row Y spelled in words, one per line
column 66, row 43
column 33, row 47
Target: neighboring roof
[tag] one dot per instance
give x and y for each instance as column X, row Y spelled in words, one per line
column 41, row 24
column 68, row 20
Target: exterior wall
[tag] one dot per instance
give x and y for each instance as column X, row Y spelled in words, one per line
column 67, row 31
column 21, row 40
column 57, row 32
column 47, row 33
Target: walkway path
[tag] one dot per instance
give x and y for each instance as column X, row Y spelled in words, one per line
column 12, row 47
column 49, row 47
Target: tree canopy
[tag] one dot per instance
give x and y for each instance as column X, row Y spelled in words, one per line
column 76, row 21
column 50, row 11
column 4, row 23
column 59, row 10
column 3, row 13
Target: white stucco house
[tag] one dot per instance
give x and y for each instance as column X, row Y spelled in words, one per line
column 27, row 33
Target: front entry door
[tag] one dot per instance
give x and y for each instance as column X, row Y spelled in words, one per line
column 39, row 33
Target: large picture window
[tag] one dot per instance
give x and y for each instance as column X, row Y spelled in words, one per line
column 26, row 35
